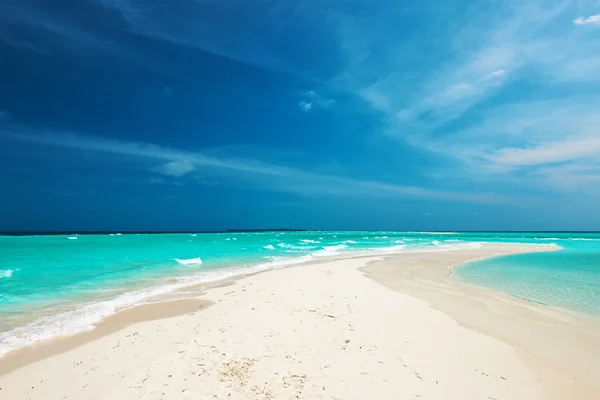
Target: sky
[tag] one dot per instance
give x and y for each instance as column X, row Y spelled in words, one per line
column 315, row 114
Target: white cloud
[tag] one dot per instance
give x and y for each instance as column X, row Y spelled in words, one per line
column 524, row 136
column 548, row 153
column 494, row 74
column 592, row 19
column 552, row 144
column 313, row 100
column 177, row 168
column 518, row 38
column 178, row 162
column 439, row 94
column 574, row 180
column 448, row 89
column 305, row 106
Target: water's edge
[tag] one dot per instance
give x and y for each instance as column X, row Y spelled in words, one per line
column 140, row 279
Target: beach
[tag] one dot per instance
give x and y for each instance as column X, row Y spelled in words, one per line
column 382, row 327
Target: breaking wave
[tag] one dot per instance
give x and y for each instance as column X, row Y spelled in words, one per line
column 6, row 273
column 189, row 261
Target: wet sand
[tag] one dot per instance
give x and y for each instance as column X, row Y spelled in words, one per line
column 114, row 323
column 560, row 346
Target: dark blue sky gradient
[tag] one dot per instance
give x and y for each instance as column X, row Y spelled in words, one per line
column 206, row 115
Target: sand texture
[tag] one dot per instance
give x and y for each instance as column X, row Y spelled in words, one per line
column 317, row 331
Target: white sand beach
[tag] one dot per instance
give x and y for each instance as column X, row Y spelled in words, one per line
column 336, row 330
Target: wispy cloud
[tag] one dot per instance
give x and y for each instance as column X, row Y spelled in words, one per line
column 591, row 20
column 177, row 168
column 205, row 26
column 24, row 45
column 485, row 55
column 551, row 143
column 313, row 100
column 548, row 153
column 175, row 162
column 467, row 89
column 179, row 26
column 304, row 105
column 569, row 176
column 26, row 16
column 472, row 94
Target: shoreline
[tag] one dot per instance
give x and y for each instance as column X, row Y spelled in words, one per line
column 210, row 297
column 166, row 288
column 537, row 330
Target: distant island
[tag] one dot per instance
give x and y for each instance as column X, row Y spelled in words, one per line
column 125, row 232
column 266, row 230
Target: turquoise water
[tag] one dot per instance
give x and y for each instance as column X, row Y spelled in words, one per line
column 568, row 278
column 61, row 284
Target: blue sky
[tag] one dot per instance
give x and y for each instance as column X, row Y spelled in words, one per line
column 318, row 114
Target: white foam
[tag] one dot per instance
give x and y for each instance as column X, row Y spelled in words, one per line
column 5, row 297
column 193, row 234
column 87, row 315
column 329, row 251
column 84, row 317
column 72, row 238
column 81, row 319
column 350, row 242
column 189, row 261
column 381, row 237
column 273, row 258
column 277, row 262
column 391, row 249
column 6, row 273
column 269, row 247
column 435, row 242
column 291, row 246
column 118, row 234
column 437, row 233
column 309, row 241
column 324, row 253
column 398, row 241
column 335, row 248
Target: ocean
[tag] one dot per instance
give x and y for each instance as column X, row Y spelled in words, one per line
column 53, row 285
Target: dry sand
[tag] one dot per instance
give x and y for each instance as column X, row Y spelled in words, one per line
column 318, row 331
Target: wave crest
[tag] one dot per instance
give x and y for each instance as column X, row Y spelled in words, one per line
column 309, row 241
column 329, row 251
column 189, row 261
column 6, row 273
